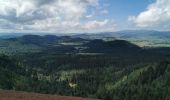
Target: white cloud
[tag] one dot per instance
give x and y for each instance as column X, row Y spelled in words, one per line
column 157, row 14
column 99, row 26
column 95, row 24
column 48, row 15
column 28, row 10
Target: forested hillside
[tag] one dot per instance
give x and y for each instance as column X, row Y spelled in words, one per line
column 109, row 70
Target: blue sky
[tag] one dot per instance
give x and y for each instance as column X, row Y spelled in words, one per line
column 120, row 10
column 75, row 16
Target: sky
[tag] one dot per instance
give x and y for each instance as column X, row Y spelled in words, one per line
column 81, row 16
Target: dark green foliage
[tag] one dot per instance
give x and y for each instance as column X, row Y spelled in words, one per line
column 114, row 70
column 151, row 84
column 102, row 77
column 7, row 72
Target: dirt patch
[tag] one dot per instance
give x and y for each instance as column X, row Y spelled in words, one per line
column 13, row 95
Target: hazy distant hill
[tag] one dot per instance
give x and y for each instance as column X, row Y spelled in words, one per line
column 142, row 38
column 128, row 34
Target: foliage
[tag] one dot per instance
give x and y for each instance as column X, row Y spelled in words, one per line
column 117, row 70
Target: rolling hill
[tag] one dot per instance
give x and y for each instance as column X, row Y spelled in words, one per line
column 142, row 38
column 115, row 46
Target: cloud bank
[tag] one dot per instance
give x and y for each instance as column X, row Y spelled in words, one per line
column 50, row 15
column 157, row 15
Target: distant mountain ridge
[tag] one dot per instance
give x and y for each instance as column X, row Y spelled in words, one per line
column 142, row 38
column 126, row 34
